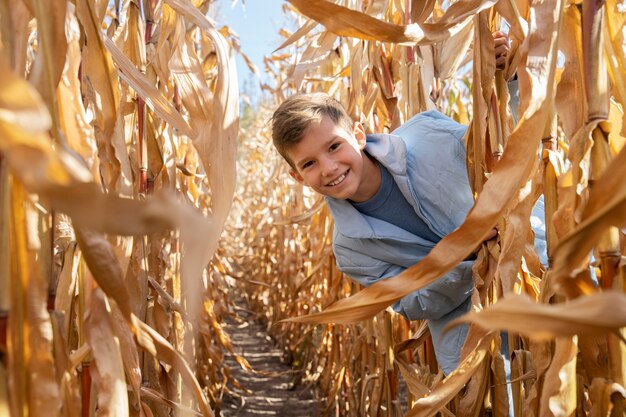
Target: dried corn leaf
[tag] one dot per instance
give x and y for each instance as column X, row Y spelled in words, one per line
column 559, row 389
column 73, row 120
column 602, row 394
column 346, row 22
column 615, row 54
column 606, row 207
column 101, row 85
column 297, row 35
column 147, row 91
column 444, row 391
column 48, row 65
column 14, row 20
column 594, row 314
column 31, row 371
column 102, row 262
column 107, row 369
column 4, row 392
column 154, row 343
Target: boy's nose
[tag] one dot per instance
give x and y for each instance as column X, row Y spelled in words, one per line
column 329, row 166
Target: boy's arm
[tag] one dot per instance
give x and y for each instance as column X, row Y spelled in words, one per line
column 431, row 302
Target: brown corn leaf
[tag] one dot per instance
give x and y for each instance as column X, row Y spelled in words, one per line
column 346, row 22
column 48, row 65
column 570, row 86
column 73, row 120
column 500, row 402
column 602, row 393
column 129, row 353
column 298, row 34
column 443, row 392
column 44, row 387
column 70, row 386
column 558, row 398
column 216, row 142
column 156, row 396
column 14, row 20
column 154, row 343
column 515, row 237
column 420, row 10
column 102, row 262
column 107, row 369
column 615, row 20
column 508, row 9
column 4, row 392
column 100, row 83
column 451, row 52
column 21, row 105
column 594, row 314
column 32, row 374
column 606, row 207
column 313, row 56
column 147, row 91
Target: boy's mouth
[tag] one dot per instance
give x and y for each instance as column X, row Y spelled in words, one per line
column 339, row 179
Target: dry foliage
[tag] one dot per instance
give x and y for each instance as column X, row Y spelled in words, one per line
column 118, row 130
column 386, row 61
column 118, row 123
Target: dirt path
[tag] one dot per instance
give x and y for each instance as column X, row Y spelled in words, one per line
column 271, row 390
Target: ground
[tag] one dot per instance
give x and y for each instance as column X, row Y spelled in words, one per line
column 270, row 387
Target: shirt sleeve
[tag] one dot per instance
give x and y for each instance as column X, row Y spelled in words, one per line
column 431, row 302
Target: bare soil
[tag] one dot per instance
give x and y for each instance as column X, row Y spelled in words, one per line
column 269, row 389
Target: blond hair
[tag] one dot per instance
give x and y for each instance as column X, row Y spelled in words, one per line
column 296, row 114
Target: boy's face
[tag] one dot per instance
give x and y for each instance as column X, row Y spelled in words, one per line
column 330, row 160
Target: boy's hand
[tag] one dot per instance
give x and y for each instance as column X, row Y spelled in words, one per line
column 501, row 48
column 492, row 234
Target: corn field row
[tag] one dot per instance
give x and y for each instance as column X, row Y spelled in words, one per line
column 119, row 127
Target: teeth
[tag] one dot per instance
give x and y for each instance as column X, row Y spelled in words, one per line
column 338, row 180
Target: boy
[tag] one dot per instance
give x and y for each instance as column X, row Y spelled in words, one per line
column 392, row 196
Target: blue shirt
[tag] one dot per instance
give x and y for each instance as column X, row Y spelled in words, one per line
column 389, row 204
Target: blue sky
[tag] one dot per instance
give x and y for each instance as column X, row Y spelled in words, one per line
column 257, row 23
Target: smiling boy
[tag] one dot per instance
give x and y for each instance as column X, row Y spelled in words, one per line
column 392, row 197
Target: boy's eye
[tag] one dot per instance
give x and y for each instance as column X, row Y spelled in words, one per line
column 334, row 146
column 307, row 164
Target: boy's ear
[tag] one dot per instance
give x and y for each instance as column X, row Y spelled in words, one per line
column 294, row 174
column 359, row 134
